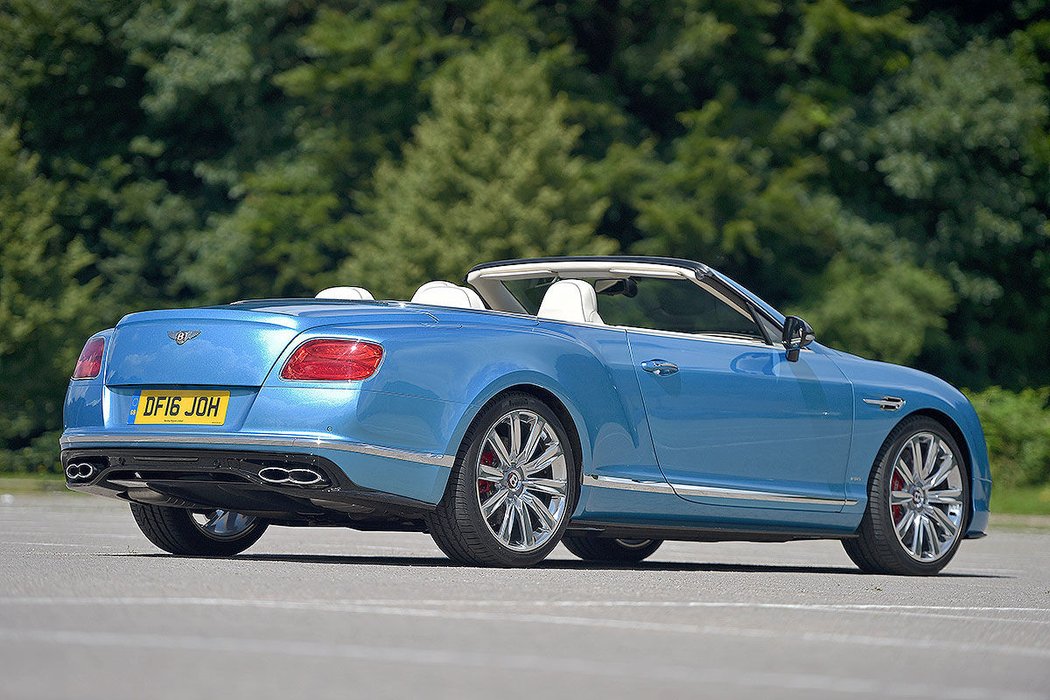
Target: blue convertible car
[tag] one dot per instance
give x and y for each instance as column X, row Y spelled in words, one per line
column 608, row 403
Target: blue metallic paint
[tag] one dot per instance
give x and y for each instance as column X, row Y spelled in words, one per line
column 922, row 393
column 741, row 416
column 441, row 365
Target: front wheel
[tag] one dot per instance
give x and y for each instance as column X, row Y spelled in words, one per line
column 511, row 489
column 216, row 533
column 918, row 503
column 610, row 550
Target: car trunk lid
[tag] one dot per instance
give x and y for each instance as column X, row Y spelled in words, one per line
column 230, row 346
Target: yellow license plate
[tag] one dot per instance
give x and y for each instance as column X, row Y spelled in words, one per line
column 160, row 407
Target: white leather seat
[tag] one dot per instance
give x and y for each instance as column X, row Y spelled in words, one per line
column 441, row 293
column 571, row 300
column 353, row 293
column 436, row 284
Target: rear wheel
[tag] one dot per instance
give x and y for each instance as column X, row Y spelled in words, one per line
column 511, row 489
column 918, row 503
column 216, row 533
column 610, row 550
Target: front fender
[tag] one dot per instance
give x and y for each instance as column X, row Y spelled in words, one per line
column 923, row 394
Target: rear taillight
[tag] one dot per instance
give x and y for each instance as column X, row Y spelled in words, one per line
column 332, row 360
column 89, row 364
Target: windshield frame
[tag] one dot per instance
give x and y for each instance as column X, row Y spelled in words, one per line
column 488, row 280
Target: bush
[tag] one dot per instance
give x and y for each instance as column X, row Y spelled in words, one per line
column 1017, row 428
column 40, row 456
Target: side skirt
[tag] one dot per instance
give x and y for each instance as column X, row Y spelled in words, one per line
column 706, row 534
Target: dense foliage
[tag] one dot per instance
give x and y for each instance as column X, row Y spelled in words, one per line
column 1017, row 428
column 882, row 168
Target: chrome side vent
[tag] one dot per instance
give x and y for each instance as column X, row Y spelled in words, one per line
column 886, row 403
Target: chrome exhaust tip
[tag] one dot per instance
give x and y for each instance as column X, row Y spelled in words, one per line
column 295, row 477
column 304, row 477
column 274, row 475
column 80, row 472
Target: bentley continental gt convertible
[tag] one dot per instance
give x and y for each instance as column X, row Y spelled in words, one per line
column 608, row 403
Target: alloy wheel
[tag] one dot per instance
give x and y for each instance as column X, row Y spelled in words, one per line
column 522, row 480
column 925, row 499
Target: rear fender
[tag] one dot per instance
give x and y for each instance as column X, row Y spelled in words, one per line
column 84, row 405
column 590, row 371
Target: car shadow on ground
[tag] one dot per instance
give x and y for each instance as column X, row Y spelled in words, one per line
column 550, row 564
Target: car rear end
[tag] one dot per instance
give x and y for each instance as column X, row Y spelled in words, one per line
column 270, row 408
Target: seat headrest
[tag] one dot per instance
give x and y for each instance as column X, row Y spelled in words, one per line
column 441, row 293
column 571, row 300
column 354, row 293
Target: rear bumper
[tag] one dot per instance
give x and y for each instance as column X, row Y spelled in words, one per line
column 202, row 479
column 72, row 439
column 373, row 469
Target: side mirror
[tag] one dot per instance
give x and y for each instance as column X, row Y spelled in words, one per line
column 797, row 335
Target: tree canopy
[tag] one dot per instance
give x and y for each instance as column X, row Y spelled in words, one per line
column 881, row 168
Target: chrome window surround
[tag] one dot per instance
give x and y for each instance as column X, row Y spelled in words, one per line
column 487, row 281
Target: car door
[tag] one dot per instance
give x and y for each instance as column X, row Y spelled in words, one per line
column 733, row 422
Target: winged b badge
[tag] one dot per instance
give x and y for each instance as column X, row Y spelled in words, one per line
column 183, row 337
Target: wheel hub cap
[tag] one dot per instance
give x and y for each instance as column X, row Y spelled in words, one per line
column 918, row 498
column 514, row 481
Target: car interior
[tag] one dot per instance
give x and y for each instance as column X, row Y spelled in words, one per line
column 663, row 304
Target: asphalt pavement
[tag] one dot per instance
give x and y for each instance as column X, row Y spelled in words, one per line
column 90, row 609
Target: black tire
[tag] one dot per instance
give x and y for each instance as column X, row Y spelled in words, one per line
column 457, row 524
column 174, row 530
column 876, row 549
column 610, row 550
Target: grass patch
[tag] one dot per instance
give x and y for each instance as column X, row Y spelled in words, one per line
column 1032, row 500
column 33, row 483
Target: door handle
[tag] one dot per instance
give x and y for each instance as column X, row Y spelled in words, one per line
column 661, row 368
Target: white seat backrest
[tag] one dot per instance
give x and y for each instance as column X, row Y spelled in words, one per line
column 354, row 293
column 426, row 287
column 447, row 294
column 571, row 300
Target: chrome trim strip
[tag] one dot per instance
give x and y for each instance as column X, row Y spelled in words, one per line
column 68, row 441
column 613, row 482
column 887, row 403
column 616, row 482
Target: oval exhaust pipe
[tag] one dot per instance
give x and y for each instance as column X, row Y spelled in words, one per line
column 274, row 475
column 304, row 477
column 298, row 476
column 80, row 471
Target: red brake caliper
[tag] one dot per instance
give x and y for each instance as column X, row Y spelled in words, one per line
column 897, row 484
column 488, row 458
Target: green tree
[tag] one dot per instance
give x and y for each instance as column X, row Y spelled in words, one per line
column 489, row 174
column 954, row 156
column 43, row 304
column 886, row 313
column 349, row 101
